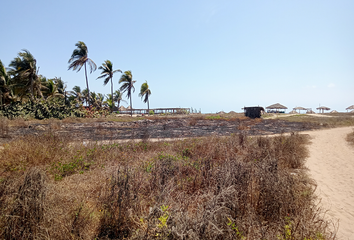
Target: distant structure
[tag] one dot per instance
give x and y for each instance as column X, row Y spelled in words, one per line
column 350, row 108
column 323, row 108
column 299, row 109
column 309, row 111
column 128, row 110
column 253, row 112
column 275, row 108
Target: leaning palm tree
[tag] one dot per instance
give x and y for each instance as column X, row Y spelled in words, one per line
column 25, row 74
column 145, row 93
column 79, row 58
column 128, row 86
column 107, row 74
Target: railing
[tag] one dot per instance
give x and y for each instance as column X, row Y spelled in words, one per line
column 157, row 111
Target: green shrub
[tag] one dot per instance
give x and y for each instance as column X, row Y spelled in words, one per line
column 41, row 110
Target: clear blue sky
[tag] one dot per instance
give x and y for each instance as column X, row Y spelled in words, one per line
column 211, row 55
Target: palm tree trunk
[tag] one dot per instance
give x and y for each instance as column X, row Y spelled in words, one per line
column 113, row 105
column 0, row 98
column 131, row 106
column 88, row 90
column 31, row 89
column 148, row 107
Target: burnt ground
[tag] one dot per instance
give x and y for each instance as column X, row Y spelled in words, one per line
column 159, row 128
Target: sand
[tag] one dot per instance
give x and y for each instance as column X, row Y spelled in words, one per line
column 331, row 165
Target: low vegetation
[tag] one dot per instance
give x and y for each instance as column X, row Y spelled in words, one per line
column 350, row 138
column 327, row 120
column 234, row 187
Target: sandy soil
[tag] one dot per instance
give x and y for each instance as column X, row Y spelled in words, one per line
column 331, row 165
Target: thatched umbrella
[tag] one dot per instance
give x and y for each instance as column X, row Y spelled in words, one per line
column 299, row 108
column 323, row 108
column 350, row 108
column 122, row 108
column 276, row 106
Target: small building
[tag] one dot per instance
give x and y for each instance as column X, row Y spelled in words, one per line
column 253, row 112
column 323, row 108
column 276, row 108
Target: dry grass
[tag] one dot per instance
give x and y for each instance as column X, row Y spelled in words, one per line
column 233, row 187
column 339, row 120
column 4, row 127
column 350, row 138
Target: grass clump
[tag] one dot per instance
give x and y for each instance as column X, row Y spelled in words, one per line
column 350, row 138
column 234, row 187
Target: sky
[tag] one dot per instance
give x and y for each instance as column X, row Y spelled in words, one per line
column 211, row 55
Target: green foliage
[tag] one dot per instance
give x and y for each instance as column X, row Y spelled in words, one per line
column 163, row 219
column 77, row 165
column 235, row 228
column 214, row 117
column 287, row 230
column 41, row 110
column 151, row 112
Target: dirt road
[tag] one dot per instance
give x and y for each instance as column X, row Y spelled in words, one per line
column 331, row 165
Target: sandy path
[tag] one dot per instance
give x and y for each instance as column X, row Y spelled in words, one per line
column 331, row 165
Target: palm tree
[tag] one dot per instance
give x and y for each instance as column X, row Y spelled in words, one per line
column 4, row 84
column 128, row 86
column 145, row 93
column 97, row 99
column 61, row 87
column 79, row 58
column 86, row 96
column 76, row 95
column 118, row 97
column 107, row 74
column 24, row 71
column 52, row 90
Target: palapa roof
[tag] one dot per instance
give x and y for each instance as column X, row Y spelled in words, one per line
column 324, row 108
column 350, row 108
column 276, row 106
column 299, row 108
column 122, row 108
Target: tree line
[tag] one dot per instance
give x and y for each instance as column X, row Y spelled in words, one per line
column 21, row 82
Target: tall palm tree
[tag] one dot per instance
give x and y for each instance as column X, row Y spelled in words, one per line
column 24, row 71
column 79, row 58
column 145, row 93
column 107, row 74
column 128, row 86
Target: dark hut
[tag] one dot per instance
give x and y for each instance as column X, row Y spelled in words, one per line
column 253, row 112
